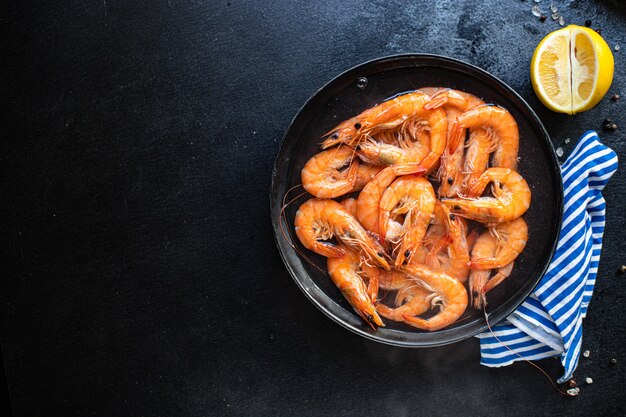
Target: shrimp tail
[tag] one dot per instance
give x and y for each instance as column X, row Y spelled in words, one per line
column 502, row 274
column 423, row 324
column 456, row 136
column 353, row 172
column 438, row 100
column 441, row 244
column 477, row 282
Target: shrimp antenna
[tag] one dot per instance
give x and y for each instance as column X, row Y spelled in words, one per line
column 523, row 358
column 287, row 233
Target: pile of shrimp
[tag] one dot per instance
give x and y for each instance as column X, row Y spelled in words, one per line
column 384, row 226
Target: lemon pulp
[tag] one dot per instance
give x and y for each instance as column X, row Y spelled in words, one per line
column 572, row 69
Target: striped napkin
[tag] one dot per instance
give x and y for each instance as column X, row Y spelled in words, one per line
column 549, row 322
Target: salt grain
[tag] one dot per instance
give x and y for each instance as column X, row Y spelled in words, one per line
column 561, row 21
column 559, row 152
column 537, row 1
column 555, row 16
column 589, row 380
column 536, row 10
column 586, row 354
column 573, row 391
column 553, row 8
column 616, row 48
column 567, row 140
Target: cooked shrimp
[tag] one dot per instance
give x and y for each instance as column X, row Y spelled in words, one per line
column 411, row 300
column 455, row 100
column 389, row 114
column 447, row 238
column 471, row 239
column 485, row 246
column 458, row 252
column 450, row 173
column 325, row 175
column 319, row 220
column 430, row 251
column 392, row 280
column 503, row 273
column 393, row 147
column 450, row 295
column 479, row 147
column 430, row 90
column 414, row 198
column 409, row 145
column 511, row 239
column 344, row 271
column 369, row 199
column 511, row 198
column 498, row 123
column 479, row 281
column 365, row 173
column 478, row 278
column 350, row 205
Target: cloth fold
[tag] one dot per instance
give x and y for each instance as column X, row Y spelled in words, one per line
column 549, row 322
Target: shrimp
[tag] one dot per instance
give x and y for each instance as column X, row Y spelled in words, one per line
column 448, row 232
column 434, row 242
column 389, row 114
column 503, row 273
column 501, row 127
column 455, row 100
column 344, row 271
column 350, row 205
column 511, row 198
column 365, row 173
column 319, row 220
column 451, row 296
column 431, row 91
column 410, row 144
column 392, row 280
column 479, row 147
column 391, row 147
column 511, row 238
column 411, row 299
column 323, row 177
column 369, row 199
column 479, row 282
column 454, row 103
column 414, row 198
column 471, row 239
column 458, row 252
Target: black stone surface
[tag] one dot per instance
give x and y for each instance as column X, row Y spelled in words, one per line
column 139, row 272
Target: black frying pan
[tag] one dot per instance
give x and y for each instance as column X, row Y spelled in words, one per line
column 346, row 96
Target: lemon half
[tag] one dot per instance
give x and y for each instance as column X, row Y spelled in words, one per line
column 571, row 69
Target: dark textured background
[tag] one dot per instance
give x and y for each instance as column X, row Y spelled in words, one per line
column 139, row 272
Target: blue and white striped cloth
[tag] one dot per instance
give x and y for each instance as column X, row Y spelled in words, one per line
column 549, row 322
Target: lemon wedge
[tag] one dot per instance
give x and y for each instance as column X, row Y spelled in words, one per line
column 571, row 69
